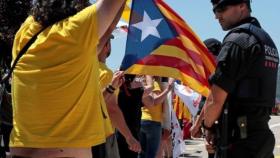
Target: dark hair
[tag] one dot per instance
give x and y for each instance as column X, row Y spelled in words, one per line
column 48, row 12
column 12, row 15
column 129, row 78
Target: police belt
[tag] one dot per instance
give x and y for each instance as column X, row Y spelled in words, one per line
column 249, row 126
column 257, row 125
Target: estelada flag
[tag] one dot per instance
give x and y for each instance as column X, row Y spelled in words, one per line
column 160, row 43
column 126, row 11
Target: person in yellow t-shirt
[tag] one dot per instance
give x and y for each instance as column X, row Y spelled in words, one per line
column 106, row 76
column 57, row 101
column 150, row 132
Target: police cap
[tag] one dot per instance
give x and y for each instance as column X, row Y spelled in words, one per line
column 219, row 4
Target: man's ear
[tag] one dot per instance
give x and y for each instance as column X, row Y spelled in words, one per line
column 243, row 6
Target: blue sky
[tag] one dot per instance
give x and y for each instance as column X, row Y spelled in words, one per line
column 198, row 14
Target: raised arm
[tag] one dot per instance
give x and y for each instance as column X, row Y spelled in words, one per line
column 107, row 11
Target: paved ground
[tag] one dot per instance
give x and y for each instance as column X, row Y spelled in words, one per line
column 195, row 148
column 275, row 127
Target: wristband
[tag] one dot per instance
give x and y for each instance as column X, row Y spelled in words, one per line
column 111, row 87
column 109, row 90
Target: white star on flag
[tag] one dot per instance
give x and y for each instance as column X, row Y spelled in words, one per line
column 148, row 26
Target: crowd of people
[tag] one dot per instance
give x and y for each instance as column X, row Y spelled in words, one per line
column 66, row 102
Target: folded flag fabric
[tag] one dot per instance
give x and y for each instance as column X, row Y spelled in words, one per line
column 190, row 98
column 160, row 43
column 177, row 136
column 181, row 110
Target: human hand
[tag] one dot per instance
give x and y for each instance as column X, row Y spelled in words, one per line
column 210, row 148
column 117, row 79
column 171, row 80
column 166, row 134
column 170, row 83
column 196, row 131
column 133, row 144
column 209, row 136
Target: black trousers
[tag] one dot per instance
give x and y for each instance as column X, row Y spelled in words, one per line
column 258, row 144
column 124, row 149
column 98, row 151
column 5, row 131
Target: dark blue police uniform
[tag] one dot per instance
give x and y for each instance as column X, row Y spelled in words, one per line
column 247, row 71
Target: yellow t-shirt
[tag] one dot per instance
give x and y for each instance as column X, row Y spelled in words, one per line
column 105, row 75
column 153, row 113
column 105, row 78
column 56, row 94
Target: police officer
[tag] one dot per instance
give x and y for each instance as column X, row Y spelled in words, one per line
column 245, row 82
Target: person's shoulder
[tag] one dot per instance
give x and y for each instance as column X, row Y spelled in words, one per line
column 241, row 38
column 86, row 12
column 90, row 8
column 29, row 21
column 28, row 28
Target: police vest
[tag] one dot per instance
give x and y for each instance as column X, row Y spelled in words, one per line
column 258, row 87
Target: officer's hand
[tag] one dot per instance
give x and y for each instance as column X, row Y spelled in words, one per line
column 133, row 144
column 196, row 131
column 210, row 148
column 209, row 136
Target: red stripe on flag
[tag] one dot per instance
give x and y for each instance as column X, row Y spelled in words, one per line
column 190, row 35
column 207, row 71
column 168, row 8
column 185, row 32
column 159, row 60
column 193, row 55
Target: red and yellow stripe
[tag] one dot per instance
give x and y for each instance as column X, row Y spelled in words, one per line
column 167, row 71
column 184, row 57
column 182, row 112
column 186, row 34
column 190, row 47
